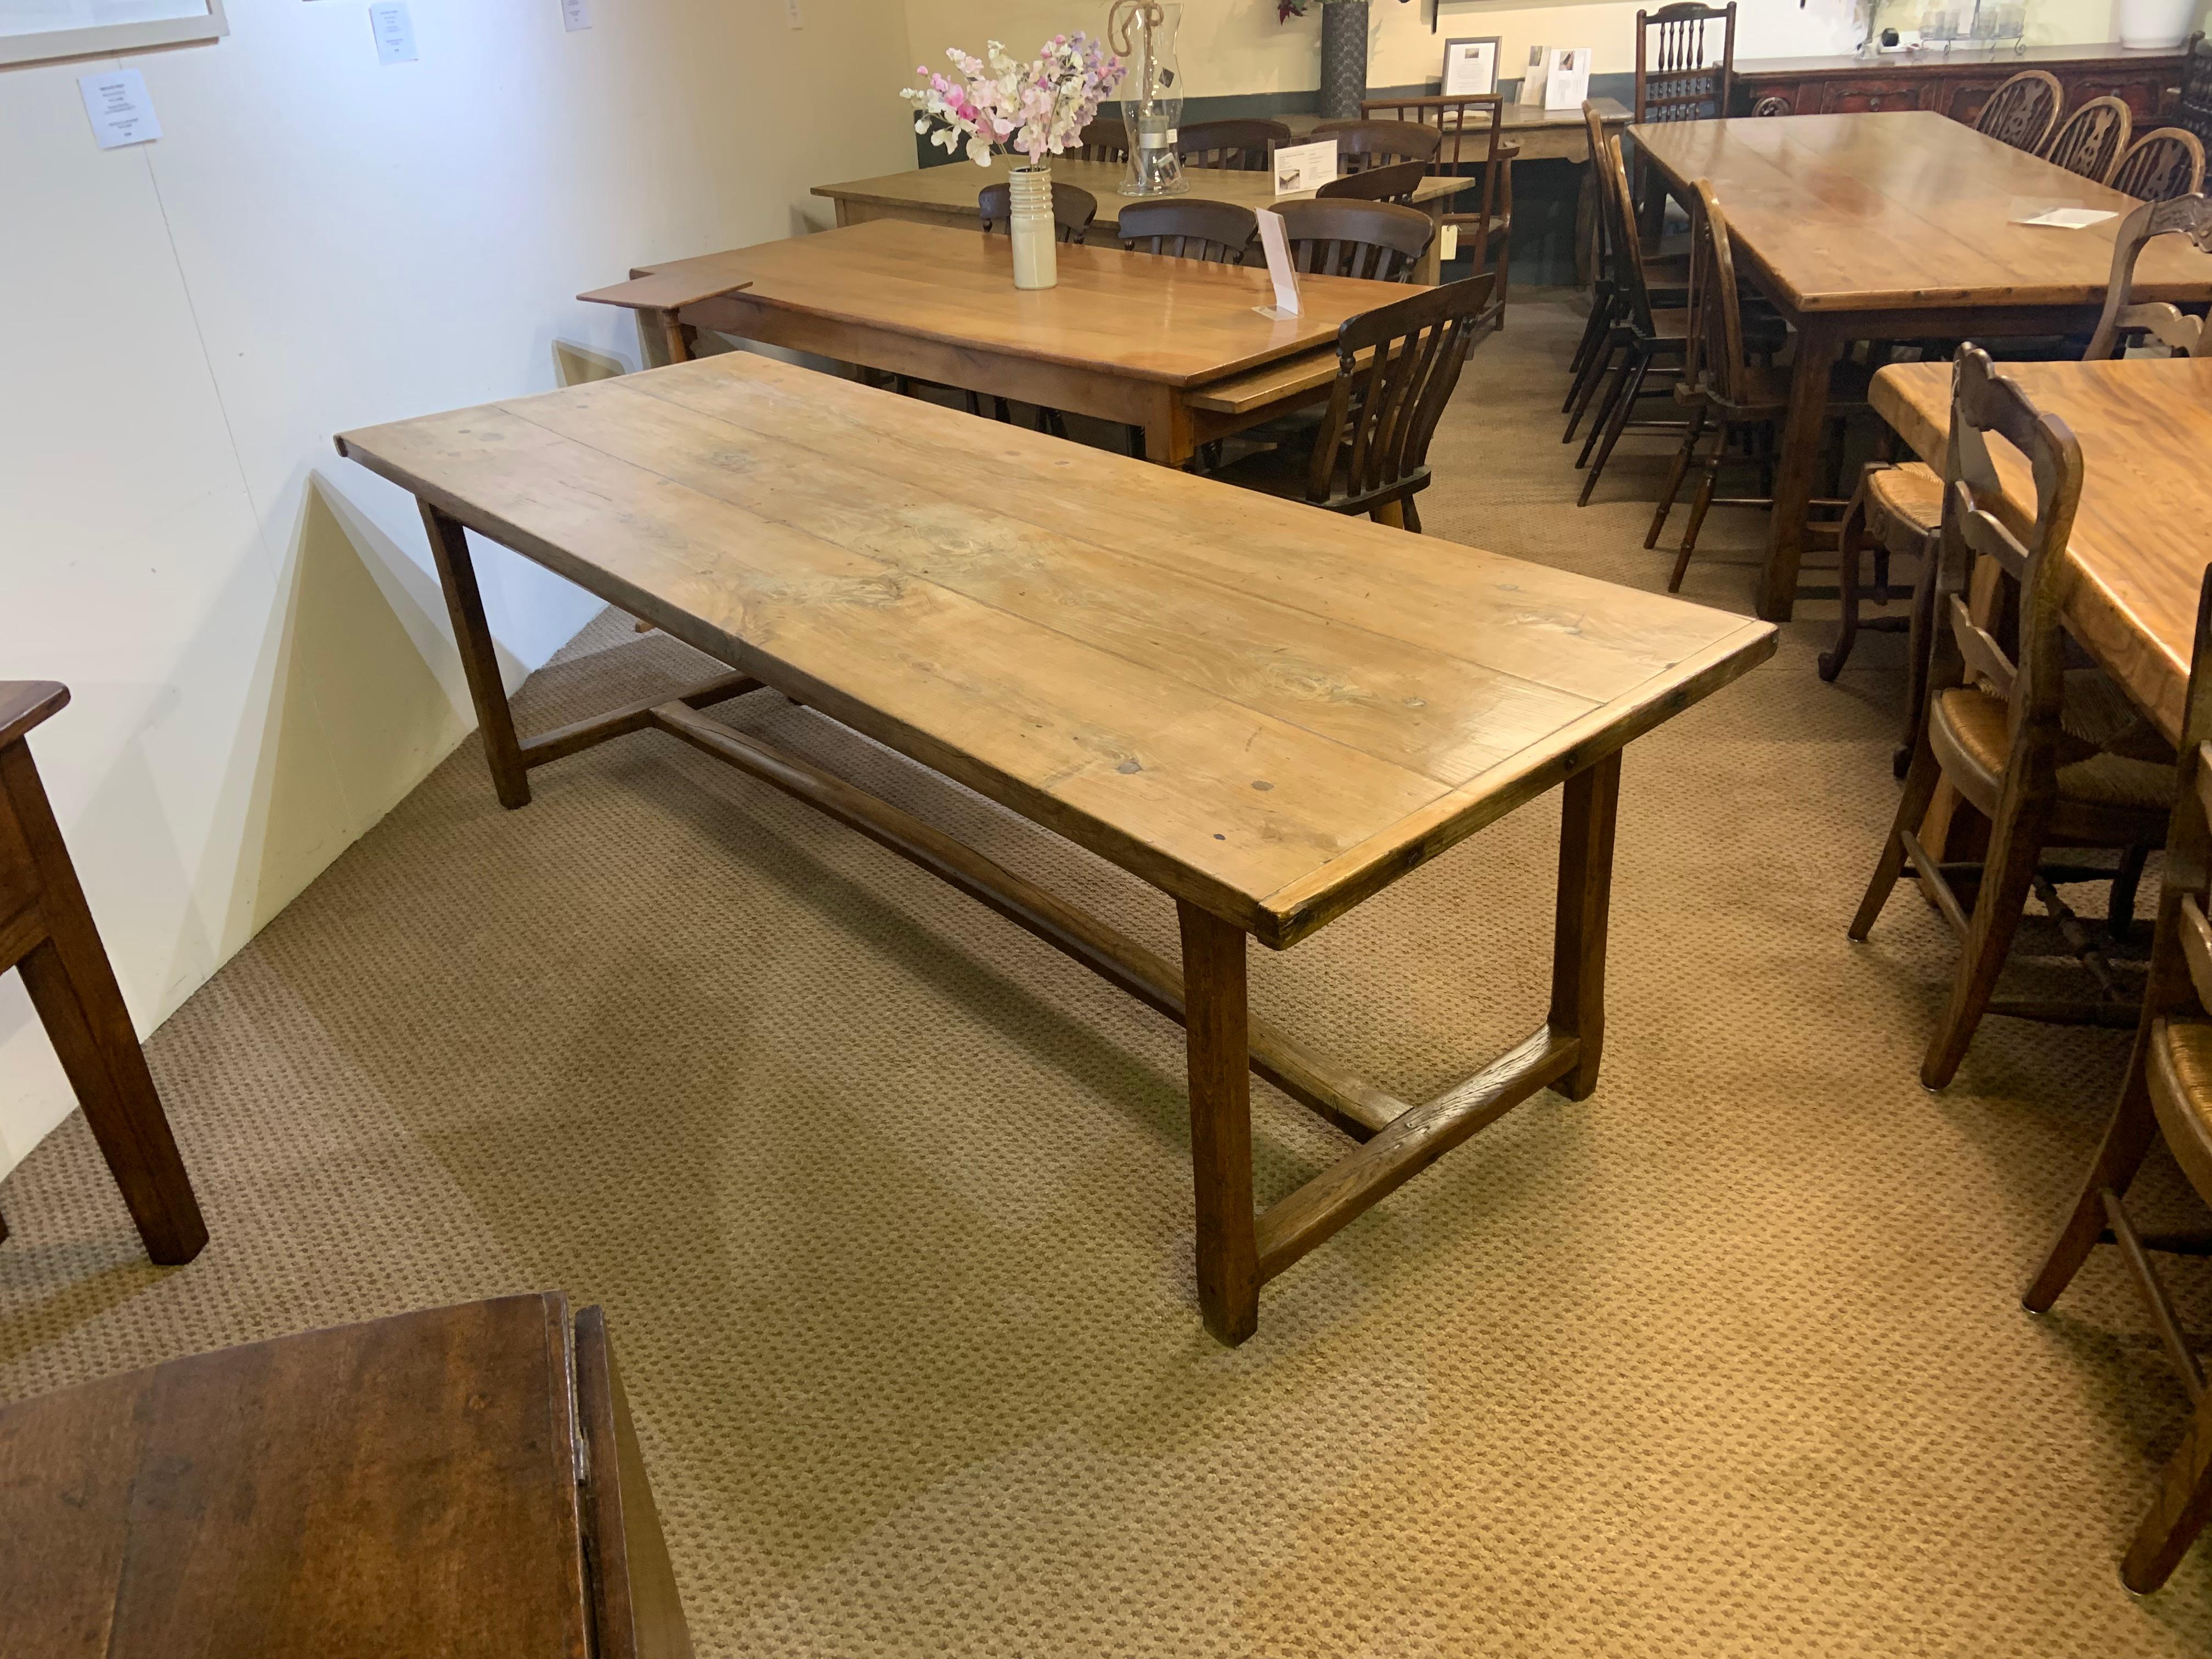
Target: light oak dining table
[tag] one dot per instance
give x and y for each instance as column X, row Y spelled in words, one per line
column 1177, row 347
column 1897, row 227
column 2142, row 533
column 1264, row 714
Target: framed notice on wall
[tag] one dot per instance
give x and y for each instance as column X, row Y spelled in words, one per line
column 35, row 31
column 1470, row 66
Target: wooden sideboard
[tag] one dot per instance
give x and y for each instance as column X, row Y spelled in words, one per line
column 1956, row 83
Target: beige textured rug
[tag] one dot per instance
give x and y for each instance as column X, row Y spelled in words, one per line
column 890, row 1205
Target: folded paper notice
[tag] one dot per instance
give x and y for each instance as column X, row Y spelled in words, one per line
column 1300, row 168
column 1275, row 239
column 2069, row 218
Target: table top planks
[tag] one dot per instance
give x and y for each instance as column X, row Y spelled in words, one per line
column 1143, row 316
column 954, row 187
column 1268, row 710
column 1906, row 211
column 2142, row 535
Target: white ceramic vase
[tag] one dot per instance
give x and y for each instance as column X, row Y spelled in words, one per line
column 1036, row 242
column 2156, row 24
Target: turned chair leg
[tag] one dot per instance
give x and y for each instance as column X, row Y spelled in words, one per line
column 1674, row 476
column 1699, row 505
column 1622, row 412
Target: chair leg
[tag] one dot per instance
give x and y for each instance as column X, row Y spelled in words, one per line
column 1586, row 348
column 1851, row 540
column 2120, row 912
column 1412, row 515
column 1700, row 505
column 1920, row 781
column 2016, row 838
column 2177, row 1514
column 1601, row 374
column 1615, row 428
column 1674, row 475
column 2127, row 1141
column 1919, row 646
column 1616, row 389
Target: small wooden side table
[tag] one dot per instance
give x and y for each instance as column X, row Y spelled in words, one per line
column 463, row 1482
column 46, row 933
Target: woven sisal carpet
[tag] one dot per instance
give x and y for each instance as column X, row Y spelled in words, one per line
column 889, row 1203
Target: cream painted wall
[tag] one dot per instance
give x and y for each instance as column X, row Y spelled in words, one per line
column 1236, row 46
column 260, row 659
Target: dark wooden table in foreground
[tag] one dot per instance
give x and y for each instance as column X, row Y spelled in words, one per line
column 1896, row 227
column 462, row 1482
column 1266, row 712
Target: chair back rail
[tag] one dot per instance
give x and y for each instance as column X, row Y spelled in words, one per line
column 1243, row 146
column 2091, row 141
column 1376, row 239
column 2162, row 164
column 1471, row 130
column 1363, row 144
column 2184, row 215
column 1103, row 141
column 1189, row 227
column 2022, row 111
column 1396, row 183
column 1716, row 351
column 1685, row 61
column 1073, row 207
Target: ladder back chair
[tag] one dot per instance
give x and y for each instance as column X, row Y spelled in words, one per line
column 1683, row 62
column 1380, row 241
column 2091, row 141
column 1103, row 141
column 2048, row 754
column 1235, row 146
column 1073, row 207
column 1643, row 340
column 2164, row 163
column 1395, row 369
column 2167, row 1090
column 2123, row 317
column 2192, row 107
column 2022, row 111
column 1471, row 144
column 1363, row 144
column 1739, row 400
column 1394, row 183
column 1189, row 227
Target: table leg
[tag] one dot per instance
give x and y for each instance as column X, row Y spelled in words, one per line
column 1591, row 800
column 1817, row 351
column 661, row 339
column 73, row 989
column 449, row 546
column 1217, row 1044
column 1168, row 436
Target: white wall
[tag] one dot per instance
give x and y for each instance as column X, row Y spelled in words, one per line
column 260, row 659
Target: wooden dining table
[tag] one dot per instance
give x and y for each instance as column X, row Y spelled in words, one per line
column 1264, row 714
column 2142, row 533
column 946, row 195
column 1177, row 347
column 1896, row 227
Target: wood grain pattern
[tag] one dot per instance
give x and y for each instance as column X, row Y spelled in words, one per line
column 2139, row 543
column 1903, row 212
column 1267, row 711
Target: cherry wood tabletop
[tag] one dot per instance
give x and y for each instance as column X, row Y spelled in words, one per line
column 1268, row 711
column 2142, row 536
column 1906, row 211
column 1142, row 316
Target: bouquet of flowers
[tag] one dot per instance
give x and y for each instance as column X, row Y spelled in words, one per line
column 1035, row 107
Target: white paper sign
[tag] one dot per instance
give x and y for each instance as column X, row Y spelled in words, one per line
column 1566, row 77
column 2069, row 218
column 1304, row 166
column 395, row 34
column 121, row 112
column 1275, row 239
column 1532, row 78
column 576, row 15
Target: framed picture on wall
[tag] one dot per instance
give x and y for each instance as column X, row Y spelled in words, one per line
column 38, row 31
column 1470, row 66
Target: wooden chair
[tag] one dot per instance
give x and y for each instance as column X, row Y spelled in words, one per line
column 2122, row 318
column 1103, row 141
column 1643, row 340
column 2162, row 164
column 1363, row 144
column 2048, row 754
column 1073, row 207
column 1379, row 240
column 1238, row 146
column 1394, row 183
column 2167, row 1089
column 1189, row 227
column 1471, row 144
column 1678, row 75
column 47, row 935
column 1395, row 369
column 2191, row 109
column 2092, row 139
column 1666, row 280
column 1722, row 387
column 2022, row 111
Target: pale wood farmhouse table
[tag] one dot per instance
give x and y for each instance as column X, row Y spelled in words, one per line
column 1266, row 713
column 1897, row 227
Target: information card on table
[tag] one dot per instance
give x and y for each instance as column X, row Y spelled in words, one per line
column 1275, row 239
